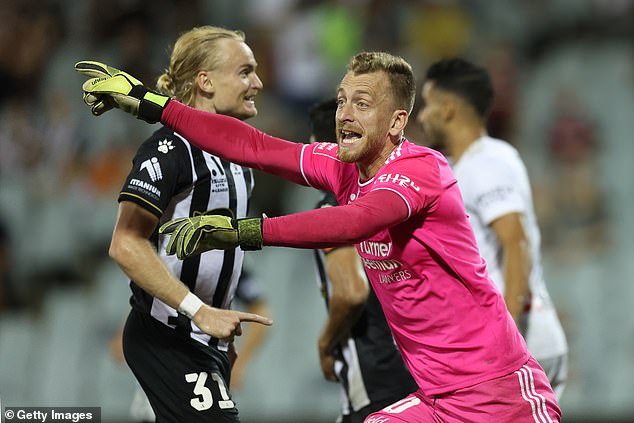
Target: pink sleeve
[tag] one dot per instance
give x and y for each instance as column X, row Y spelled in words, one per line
column 337, row 226
column 322, row 168
column 235, row 141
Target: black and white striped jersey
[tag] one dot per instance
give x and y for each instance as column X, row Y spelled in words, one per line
column 369, row 366
column 173, row 179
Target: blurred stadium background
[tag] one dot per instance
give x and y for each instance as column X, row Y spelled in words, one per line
column 564, row 74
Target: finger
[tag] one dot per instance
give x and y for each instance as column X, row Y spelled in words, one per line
column 183, row 234
column 91, row 99
column 170, row 249
column 175, row 242
column 94, row 69
column 169, row 227
column 93, row 84
column 100, row 107
column 191, row 238
column 255, row 318
column 178, row 241
column 91, row 69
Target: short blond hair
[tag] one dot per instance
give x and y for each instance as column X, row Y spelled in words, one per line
column 399, row 72
column 193, row 51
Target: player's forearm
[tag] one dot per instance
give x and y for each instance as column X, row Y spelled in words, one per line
column 139, row 261
column 336, row 226
column 516, row 274
column 348, row 297
column 235, row 141
column 341, row 319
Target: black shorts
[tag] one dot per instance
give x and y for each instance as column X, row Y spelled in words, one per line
column 184, row 380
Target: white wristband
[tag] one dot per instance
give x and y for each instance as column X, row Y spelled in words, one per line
column 190, row 305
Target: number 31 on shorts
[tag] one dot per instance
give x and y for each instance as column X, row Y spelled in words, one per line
column 204, row 399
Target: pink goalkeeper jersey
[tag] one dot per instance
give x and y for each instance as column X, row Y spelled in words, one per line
column 447, row 317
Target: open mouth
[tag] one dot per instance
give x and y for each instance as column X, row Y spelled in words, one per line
column 250, row 99
column 349, row 137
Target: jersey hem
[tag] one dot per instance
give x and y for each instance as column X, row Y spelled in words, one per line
column 446, row 389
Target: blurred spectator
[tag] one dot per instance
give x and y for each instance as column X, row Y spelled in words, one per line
column 437, row 29
column 573, row 204
column 29, row 35
column 501, row 62
column 311, row 49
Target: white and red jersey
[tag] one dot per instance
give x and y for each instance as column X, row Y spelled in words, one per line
column 412, row 232
column 494, row 182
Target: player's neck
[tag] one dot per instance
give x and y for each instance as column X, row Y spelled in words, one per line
column 367, row 171
column 463, row 137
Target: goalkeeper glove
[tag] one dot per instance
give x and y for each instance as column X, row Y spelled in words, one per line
column 109, row 87
column 213, row 230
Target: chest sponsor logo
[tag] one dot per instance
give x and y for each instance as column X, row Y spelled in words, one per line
column 375, row 248
column 398, row 179
column 219, row 184
column 390, row 270
column 153, row 168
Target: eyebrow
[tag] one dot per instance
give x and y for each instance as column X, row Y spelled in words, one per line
column 356, row 93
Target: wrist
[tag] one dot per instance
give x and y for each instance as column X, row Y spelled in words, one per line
column 151, row 104
column 190, row 305
column 250, row 233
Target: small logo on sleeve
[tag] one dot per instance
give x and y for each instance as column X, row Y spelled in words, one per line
column 153, row 169
column 164, row 146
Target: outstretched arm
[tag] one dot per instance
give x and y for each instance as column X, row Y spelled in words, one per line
column 236, row 141
column 321, row 228
column 224, row 136
column 337, row 226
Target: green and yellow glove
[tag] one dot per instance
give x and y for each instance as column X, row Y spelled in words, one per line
column 213, row 230
column 109, row 87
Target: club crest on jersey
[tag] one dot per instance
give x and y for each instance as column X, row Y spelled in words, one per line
column 153, row 169
column 164, row 146
column 398, row 179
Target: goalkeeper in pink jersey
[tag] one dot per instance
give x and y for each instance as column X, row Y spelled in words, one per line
column 402, row 208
